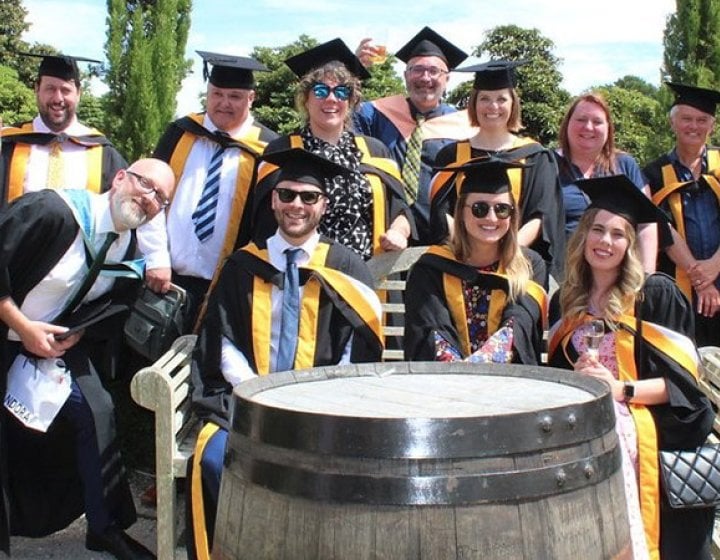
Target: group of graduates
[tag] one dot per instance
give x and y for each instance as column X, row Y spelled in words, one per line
column 269, row 235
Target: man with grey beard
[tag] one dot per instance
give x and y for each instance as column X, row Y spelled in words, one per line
column 51, row 239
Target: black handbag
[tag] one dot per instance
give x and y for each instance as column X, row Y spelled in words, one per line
column 691, row 479
column 155, row 321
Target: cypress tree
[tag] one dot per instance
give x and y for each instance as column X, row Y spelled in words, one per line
column 692, row 43
column 145, row 49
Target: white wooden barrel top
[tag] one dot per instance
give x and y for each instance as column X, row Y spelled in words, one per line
column 423, row 396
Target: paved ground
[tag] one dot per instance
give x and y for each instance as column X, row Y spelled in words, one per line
column 70, row 543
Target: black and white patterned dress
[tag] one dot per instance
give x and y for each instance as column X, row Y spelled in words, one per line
column 349, row 217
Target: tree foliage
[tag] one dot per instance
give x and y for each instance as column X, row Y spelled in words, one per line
column 640, row 123
column 275, row 92
column 543, row 99
column 12, row 26
column 145, row 49
column 692, row 43
column 17, row 101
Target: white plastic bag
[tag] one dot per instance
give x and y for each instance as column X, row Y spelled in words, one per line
column 36, row 390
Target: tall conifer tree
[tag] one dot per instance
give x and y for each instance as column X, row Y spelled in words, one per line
column 145, row 49
column 692, row 43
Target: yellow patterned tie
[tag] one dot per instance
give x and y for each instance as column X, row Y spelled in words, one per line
column 56, row 169
column 411, row 167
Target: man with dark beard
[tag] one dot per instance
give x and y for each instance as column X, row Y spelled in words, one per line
column 51, row 242
column 337, row 320
column 55, row 150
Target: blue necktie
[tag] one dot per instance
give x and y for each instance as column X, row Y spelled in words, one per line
column 290, row 313
column 204, row 215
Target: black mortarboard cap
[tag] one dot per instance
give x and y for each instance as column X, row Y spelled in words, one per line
column 483, row 175
column 297, row 164
column 315, row 57
column 705, row 100
column 61, row 66
column 428, row 43
column 619, row 195
column 495, row 74
column 230, row 71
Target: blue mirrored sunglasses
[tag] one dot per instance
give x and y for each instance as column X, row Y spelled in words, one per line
column 342, row 92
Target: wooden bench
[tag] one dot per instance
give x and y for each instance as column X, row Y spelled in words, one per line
column 387, row 269
column 710, row 385
column 164, row 388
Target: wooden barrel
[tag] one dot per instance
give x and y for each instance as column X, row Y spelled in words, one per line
column 422, row 461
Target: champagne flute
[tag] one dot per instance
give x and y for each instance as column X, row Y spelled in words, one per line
column 593, row 337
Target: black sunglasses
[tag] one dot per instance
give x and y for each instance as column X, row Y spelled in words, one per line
column 342, row 92
column 502, row 210
column 307, row 197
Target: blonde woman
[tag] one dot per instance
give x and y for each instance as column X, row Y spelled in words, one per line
column 645, row 355
column 480, row 298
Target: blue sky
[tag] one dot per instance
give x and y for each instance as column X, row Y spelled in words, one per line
column 597, row 45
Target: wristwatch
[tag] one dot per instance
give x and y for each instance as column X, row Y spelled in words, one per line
column 628, row 391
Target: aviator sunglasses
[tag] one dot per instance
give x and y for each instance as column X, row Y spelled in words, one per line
column 307, row 197
column 342, row 92
column 502, row 210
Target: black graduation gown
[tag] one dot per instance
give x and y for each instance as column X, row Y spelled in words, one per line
column 430, row 311
column 682, row 423
column 41, row 490
column 230, row 315
column 252, row 143
column 112, row 160
column 540, row 197
column 261, row 224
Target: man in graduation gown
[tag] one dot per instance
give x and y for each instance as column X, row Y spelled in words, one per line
column 393, row 120
column 686, row 183
column 55, row 150
column 213, row 157
column 50, row 240
column 245, row 329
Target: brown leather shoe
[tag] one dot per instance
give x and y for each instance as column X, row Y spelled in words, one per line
column 118, row 543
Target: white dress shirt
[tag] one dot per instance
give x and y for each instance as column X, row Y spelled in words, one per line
column 75, row 169
column 188, row 255
column 49, row 297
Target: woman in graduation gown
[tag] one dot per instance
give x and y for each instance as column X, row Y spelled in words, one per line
column 658, row 404
column 479, row 298
column 367, row 211
column 494, row 106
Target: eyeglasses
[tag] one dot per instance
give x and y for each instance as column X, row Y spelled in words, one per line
column 147, row 187
column 342, row 92
column 418, row 71
column 502, row 210
column 307, row 197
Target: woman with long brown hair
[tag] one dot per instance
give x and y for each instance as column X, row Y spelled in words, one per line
column 478, row 298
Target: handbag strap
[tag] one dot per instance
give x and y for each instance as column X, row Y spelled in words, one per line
column 639, row 345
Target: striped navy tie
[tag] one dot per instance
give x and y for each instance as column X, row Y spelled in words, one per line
column 204, row 215
column 287, row 345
